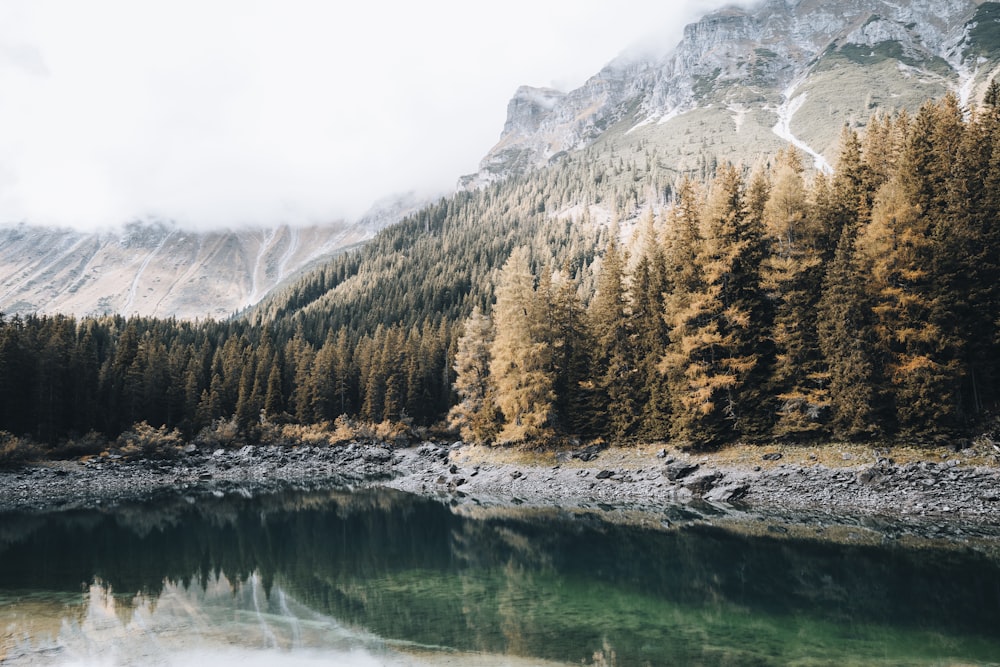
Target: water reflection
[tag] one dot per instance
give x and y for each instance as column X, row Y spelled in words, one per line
column 380, row 577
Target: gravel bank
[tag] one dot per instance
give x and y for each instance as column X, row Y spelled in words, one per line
column 947, row 489
column 948, row 496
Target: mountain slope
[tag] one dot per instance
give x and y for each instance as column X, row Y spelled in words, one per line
column 155, row 269
column 744, row 82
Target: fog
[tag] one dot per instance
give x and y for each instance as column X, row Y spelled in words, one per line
column 236, row 112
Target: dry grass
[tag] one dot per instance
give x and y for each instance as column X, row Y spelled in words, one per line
column 830, row 455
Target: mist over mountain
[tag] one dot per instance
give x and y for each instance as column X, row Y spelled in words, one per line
column 159, row 269
column 742, row 84
column 745, row 82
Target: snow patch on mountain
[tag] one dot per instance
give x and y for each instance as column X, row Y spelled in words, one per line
column 783, row 128
column 746, row 60
column 157, row 269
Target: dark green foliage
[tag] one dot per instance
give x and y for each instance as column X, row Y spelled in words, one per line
column 613, row 369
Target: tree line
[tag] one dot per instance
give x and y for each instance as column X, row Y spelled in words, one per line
column 762, row 303
column 767, row 305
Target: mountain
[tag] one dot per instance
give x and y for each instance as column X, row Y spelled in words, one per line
column 744, row 82
column 158, row 269
column 741, row 84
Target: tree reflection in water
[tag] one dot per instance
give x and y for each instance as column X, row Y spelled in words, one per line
column 385, row 576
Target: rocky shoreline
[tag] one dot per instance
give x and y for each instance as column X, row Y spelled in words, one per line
column 950, row 497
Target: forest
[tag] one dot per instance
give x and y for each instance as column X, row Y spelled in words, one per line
column 714, row 305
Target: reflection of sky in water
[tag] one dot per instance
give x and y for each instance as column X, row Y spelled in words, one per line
column 214, row 626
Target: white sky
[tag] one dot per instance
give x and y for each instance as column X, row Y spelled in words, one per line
column 235, row 112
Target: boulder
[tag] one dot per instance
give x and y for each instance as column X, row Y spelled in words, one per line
column 727, row 493
column 377, row 454
column 699, row 485
column 588, row 453
column 680, row 470
column 702, row 484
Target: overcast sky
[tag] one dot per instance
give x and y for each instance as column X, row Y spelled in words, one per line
column 235, row 112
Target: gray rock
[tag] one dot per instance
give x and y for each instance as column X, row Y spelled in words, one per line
column 870, row 476
column 727, row 493
column 680, row 470
column 702, row 484
column 604, row 474
column 377, row 454
column 772, row 456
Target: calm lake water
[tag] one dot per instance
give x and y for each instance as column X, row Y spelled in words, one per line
column 376, row 577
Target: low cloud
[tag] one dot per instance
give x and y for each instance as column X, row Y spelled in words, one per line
column 238, row 112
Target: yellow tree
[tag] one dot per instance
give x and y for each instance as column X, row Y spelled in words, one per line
column 474, row 414
column 520, row 364
column 714, row 313
column 792, row 276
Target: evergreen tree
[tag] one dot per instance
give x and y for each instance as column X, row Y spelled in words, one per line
column 473, row 415
column 714, row 346
column 846, row 336
column 520, row 359
column 793, row 274
column 614, row 370
column 649, row 287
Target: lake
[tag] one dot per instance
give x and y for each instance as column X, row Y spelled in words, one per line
column 378, row 577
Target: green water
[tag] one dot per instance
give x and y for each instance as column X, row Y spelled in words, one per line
column 376, row 577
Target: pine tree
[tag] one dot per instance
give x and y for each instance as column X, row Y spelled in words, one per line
column 614, row 370
column 521, row 383
column 846, row 336
column 473, row 415
column 714, row 347
column 274, row 401
column 572, row 349
column 649, row 287
column 793, row 273
column 322, row 381
column 919, row 358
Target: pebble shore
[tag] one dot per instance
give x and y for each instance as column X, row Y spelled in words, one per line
column 948, row 497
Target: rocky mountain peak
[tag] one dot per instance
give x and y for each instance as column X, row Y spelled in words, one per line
column 528, row 108
column 772, row 64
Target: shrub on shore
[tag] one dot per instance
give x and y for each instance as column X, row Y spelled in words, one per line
column 15, row 450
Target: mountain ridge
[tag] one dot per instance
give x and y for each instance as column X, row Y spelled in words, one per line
column 773, row 65
column 741, row 84
column 160, row 269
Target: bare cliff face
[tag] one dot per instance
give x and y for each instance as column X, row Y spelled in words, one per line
column 781, row 71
